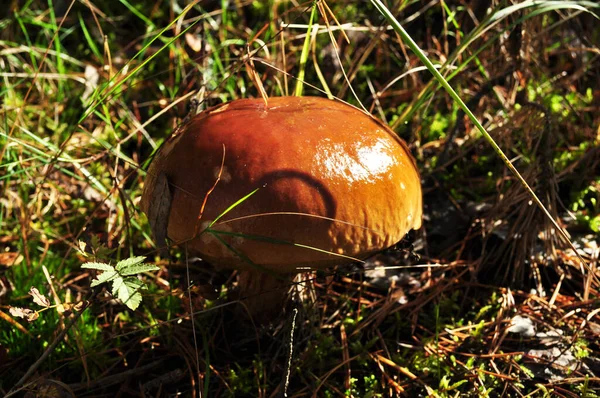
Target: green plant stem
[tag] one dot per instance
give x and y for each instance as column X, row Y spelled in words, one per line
column 415, row 48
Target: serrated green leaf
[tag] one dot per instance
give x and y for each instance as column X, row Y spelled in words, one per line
column 98, row 266
column 99, row 249
column 104, row 252
column 123, row 292
column 95, row 283
column 117, row 283
column 138, row 269
column 129, row 293
column 104, row 277
column 123, row 265
column 134, row 283
column 134, row 301
column 95, row 242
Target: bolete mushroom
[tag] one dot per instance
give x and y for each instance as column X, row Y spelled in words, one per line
column 275, row 189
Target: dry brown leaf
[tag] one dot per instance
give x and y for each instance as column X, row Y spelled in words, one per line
column 65, row 309
column 25, row 313
column 9, row 259
column 53, row 389
column 193, row 41
column 38, row 297
column 81, row 246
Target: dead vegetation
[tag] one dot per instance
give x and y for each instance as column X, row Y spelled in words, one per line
column 495, row 305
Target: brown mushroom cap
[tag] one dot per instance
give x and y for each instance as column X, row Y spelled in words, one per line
column 331, row 181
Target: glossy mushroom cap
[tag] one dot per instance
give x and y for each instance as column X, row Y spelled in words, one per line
column 331, row 182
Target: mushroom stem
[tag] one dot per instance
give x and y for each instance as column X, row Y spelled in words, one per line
column 263, row 294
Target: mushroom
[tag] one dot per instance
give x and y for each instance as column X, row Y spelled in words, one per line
column 274, row 189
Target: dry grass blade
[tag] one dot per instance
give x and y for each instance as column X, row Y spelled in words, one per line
column 494, row 305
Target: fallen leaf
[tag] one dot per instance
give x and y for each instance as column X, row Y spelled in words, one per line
column 25, row 313
column 65, row 309
column 38, row 297
column 92, row 77
column 81, row 245
column 52, row 389
column 522, row 325
column 595, row 328
column 8, row 259
column 193, row 41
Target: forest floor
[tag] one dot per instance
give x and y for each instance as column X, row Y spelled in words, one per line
column 488, row 298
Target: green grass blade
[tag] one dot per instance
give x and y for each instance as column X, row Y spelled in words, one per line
column 304, row 54
column 149, row 24
column 237, row 203
column 444, row 83
column 89, row 39
column 488, row 23
column 119, row 84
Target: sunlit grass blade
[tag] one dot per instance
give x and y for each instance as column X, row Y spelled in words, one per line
column 449, row 71
column 110, row 89
column 64, row 157
column 237, row 203
column 444, row 83
column 88, row 38
column 305, row 51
